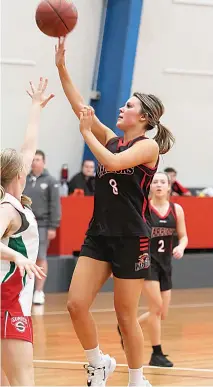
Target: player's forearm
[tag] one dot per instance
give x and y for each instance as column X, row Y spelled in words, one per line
column 183, row 242
column 103, row 155
column 74, row 97
column 31, row 137
column 6, row 253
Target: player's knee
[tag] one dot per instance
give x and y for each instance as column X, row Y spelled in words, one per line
column 125, row 320
column 124, row 323
column 4, row 378
column 23, row 375
column 164, row 314
column 29, row 374
column 76, row 307
column 157, row 308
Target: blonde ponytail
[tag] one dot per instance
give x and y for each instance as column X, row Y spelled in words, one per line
column 164, row 138
column 26, row 201
column 152, row 108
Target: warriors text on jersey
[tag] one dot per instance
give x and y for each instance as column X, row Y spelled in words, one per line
column 163, row 230
column 17, row 291
column 121, row 197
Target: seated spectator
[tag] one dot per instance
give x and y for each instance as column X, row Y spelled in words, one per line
column 85, row 180
column 176, row 188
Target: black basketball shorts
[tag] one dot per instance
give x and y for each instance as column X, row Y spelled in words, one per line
column 129, row 256
column 162, row 275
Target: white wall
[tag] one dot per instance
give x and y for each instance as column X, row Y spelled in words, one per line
column 179, row 37
column 21, row 39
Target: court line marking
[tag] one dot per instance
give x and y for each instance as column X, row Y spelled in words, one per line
column 124, row 365
column 107, row 310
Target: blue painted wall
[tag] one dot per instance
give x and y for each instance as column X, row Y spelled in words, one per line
column 117, row 61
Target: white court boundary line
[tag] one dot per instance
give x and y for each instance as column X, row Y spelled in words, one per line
column 125, row 365
column 107, row 310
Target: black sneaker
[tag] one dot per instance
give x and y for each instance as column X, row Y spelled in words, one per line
column 160, row 360
column 119, row 332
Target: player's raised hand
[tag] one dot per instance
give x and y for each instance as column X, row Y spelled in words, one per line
column 38, row 93
column 86, row 119
column 60, row 52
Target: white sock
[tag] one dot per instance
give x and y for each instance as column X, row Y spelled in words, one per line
column 94, row 356
column 136, row 377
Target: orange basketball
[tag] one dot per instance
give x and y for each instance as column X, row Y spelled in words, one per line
column 56, row 17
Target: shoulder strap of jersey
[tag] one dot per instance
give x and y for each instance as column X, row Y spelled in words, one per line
column 13, row 201
column 152, row 210
column 140, row 138
column 173, row 209
column 112, row 141
column 9, row 199
column 146, row 169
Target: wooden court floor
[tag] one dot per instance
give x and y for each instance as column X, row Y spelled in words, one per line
column 187, row 337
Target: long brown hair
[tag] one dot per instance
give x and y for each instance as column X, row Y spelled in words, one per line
column 11, row 166
column 153, row 109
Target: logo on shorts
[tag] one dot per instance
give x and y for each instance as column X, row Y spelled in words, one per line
column 143, row 262
column 20, row 323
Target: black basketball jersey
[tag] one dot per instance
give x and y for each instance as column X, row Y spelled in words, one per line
column 163, row 230
column 121, row 197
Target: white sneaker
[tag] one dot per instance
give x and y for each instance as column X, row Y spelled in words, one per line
column 38, row 297
column 145, row 383
column 97, row 376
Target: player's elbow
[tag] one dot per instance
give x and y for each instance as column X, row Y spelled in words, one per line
column 113, row 165
column 109, row 167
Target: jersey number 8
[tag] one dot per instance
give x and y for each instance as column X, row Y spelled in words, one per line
column 114, row 186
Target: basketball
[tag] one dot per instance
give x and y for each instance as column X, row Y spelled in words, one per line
column 56, row 17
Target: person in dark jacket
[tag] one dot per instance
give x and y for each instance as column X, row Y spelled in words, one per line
column 84, row 180
column 43, row 189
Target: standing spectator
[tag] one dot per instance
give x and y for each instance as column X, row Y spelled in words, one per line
column 85, row 179
column 176, row 188
column 43, row 189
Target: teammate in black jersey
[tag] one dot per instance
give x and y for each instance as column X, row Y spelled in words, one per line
column 118, row 236
column 166, row 219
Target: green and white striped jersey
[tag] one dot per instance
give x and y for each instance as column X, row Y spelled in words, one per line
column 17, row 291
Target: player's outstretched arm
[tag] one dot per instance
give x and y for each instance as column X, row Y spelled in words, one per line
column 101, row 131
column 39, row 100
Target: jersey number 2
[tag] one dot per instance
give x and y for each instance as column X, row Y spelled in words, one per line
column 114, row 186
column 161, row 248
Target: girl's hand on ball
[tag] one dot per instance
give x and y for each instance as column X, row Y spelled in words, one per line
column 60, row 53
